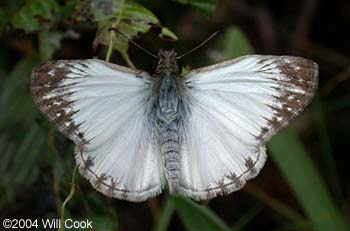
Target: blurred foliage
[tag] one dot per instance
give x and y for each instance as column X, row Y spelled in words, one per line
column 306, row 184
column 34, row 153
column 204, row 6
column 35, row 15
column 235, row 44
column 20, row 151
column 49, row 42
column 198, row 217
column 19, row 169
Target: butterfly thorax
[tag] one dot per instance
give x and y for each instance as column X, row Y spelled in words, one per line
column 167, row 64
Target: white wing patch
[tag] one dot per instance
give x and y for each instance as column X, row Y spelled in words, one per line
column 101, row 107
column 236, row 106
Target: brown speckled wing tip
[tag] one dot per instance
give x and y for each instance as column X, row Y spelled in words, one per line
column 52, row 97
column 295, row 91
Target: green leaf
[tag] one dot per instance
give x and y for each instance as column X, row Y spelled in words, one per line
column 103, row 222
column 198, row 217
column 184, row 71
column 68, row 10
column 326, row 150
column 168, row 34
column 49, row 42
column 247, row 217
column 83, row 11
column 35, row 15
column 165, row 216
column 294, row 162
column 128, row 17
column 236, row 44
column 205, row 6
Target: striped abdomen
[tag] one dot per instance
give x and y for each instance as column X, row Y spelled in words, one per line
column 167, row 128
column 169, row 141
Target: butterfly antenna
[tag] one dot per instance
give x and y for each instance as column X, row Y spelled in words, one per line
column 134, row 43
column 201, row 44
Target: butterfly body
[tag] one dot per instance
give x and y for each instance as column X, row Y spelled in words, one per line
column 203, row 134
column 170, row 115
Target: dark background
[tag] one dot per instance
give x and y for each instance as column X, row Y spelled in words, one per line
column 36, row 162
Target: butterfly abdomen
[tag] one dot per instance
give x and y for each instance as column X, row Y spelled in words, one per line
column 168, row 118
column 171, row 159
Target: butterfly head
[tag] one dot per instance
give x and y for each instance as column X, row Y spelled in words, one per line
column 167, row 63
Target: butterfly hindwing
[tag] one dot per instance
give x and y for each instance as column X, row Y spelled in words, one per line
column 236, row 107
column 102, row 108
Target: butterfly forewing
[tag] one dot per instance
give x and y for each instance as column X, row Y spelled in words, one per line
column 236, row 106
column 102, row 108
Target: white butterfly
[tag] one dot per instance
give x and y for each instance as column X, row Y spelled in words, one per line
column 204, row 134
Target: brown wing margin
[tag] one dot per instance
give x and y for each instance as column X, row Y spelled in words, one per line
column 295, row 92
column 52, row 97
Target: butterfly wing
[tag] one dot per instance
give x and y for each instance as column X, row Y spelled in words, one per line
column 102, row 107
column 235, row 108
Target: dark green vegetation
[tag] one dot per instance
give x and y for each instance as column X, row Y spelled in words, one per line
column 305, row 183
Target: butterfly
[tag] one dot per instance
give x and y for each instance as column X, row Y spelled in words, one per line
column 202, row 135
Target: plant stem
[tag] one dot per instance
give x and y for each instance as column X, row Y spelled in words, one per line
column 112, row 40
column 112, row 34
column 276, row 205
column 128, row 60
column 69, row 197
